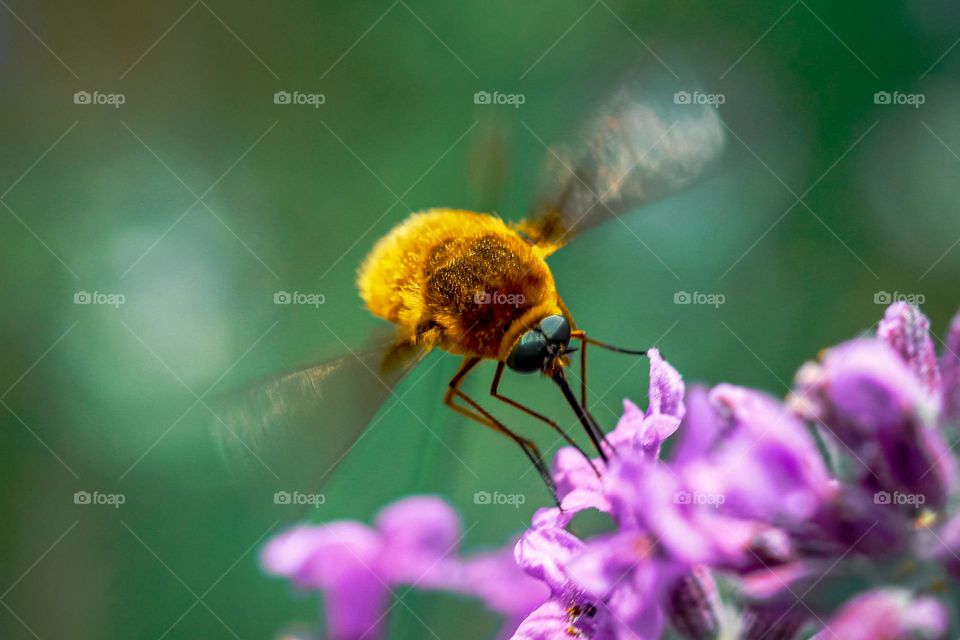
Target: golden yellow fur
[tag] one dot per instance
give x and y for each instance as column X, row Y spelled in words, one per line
column 464, row 281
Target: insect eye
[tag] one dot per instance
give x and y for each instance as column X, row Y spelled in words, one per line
column 556, row 330
column 529, row 353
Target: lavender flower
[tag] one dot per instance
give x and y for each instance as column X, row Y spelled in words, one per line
column 950, row 375
column 637, row 431
column 497, row 579
column 414, row 542
column 889, row 613
column 831, row 512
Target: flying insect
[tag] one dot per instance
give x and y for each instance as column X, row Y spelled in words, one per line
column 479, row 287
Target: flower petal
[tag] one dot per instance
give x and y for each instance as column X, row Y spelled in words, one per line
column 318, row 556
column 420, row 535
column 666, row 387
column 495, row 578
column 567, row 618
column 545, row 552
column 879, row 409
column 700, row 427
column 356, row 608
column 889, row 613
column 342, row 559
column 950, row 371
column 907, row 330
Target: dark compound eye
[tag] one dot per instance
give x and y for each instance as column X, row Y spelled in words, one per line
column 529, row 353
column 556, row 329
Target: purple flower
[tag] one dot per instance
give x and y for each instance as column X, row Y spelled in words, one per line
column 888, row 614
column 339, row 559
column 766, row 465
column 867, row 397
column 594, row 596
column 689, row 526
column 790, row 506
column 504, row 587
column 907, row 331
column 950, row 374
column 723, row 503
column 693, row 605
column 635, row 431
column 356, row 566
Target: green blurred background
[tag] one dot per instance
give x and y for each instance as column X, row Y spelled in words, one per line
column 103, row 199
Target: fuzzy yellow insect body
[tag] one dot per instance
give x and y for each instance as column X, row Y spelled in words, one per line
column 463, row 281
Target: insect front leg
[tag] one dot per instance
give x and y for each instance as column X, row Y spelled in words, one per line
column 478, row 414
column 495, row 392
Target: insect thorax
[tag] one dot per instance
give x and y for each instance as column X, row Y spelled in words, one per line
column 476, row 287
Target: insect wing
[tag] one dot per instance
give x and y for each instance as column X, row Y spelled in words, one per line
column 295, row 429
column 654, row 136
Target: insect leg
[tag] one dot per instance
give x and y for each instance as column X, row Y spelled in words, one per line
column 581, row 336
column 479, row 414
column 494, row 391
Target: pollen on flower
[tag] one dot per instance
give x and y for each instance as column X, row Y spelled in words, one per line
column 574, row 614
column 926, row 519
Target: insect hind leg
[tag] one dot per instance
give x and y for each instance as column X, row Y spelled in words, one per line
column 478, row 414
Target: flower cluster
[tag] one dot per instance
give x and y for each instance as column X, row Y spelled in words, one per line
column 831, row 512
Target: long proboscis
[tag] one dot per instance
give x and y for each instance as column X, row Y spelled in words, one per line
column 586, row 420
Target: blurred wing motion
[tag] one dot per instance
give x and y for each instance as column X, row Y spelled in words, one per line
column 488, row 160
column 296, row 427
column 652, row 137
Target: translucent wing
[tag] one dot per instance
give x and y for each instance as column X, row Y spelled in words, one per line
column 295, row 428
column 653, row 136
